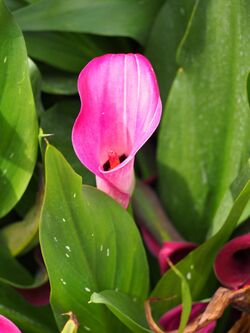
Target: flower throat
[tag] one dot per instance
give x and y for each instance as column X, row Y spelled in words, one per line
column 113, row 160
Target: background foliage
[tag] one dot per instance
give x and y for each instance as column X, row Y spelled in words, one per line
column 92, row 249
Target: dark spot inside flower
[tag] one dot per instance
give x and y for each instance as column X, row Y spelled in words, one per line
column 242, row 260
column 113, row 161
column 122, row 158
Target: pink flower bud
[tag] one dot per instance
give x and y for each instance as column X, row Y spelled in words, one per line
column 120, row 109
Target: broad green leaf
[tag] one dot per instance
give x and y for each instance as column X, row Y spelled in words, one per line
column 204, row 136
column 197, row 267
column 85, row 251
column 130, row 18
column 59, row 121
column 67, row 51
column 70, row 51
column 164, row 39
column 27, row 317
column 129, row 311
column 18, row 123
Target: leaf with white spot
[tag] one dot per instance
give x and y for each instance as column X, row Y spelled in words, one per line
column 99, row 256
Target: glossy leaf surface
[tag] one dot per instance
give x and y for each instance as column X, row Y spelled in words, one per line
column 85, row 249
column 166, row 34
column 204, row 137
column 18, row 123
column 131, row 18
column 128, row 310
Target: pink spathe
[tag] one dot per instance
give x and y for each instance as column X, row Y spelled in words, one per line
column 232, row 264
column 175, row 252
column 6, row 326
column 171, row 319
column 120, row 109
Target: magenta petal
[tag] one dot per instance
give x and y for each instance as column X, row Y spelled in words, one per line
column 120, row 109
column 113, row 192
column 171, row 319
column 174, row 251
column 232, row 264
column 6, row 326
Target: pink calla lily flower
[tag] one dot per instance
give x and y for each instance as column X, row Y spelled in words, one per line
column 174, row 251
column 6, row 326
column 120, row 109
column 232, row 264
column 171, row 319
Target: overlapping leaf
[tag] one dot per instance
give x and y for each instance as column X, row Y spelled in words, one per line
column 198, row 265
column 204, row 137
column 28, row 318
column 18, row 123
column 130, row 18
column 58, row 121
column 89, row 244
column 164, row 39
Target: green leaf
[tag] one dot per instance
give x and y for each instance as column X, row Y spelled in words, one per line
column 36, row 83
column 59, row 121
column 129, row 311
column 20, row 236
column 186, row 299
column 18, row 123
column 228, row 200
column 11, row 271
column 204, row 136
column 15, row 4
column 164, row 39
column 85, row 251
column 197, row 267
column 27, row 317
column 69, row 51
column 130, row 18
column 58, row 82
column 150, row 214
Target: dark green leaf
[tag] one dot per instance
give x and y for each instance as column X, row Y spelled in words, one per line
column 85, row 251
column 69, row 51
column 164, row 39
column 18, row 123
column 204, row 136
column 58, row 82
column 130, row 18
column 59, row 121
column 20, row 236
column 28, row 318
